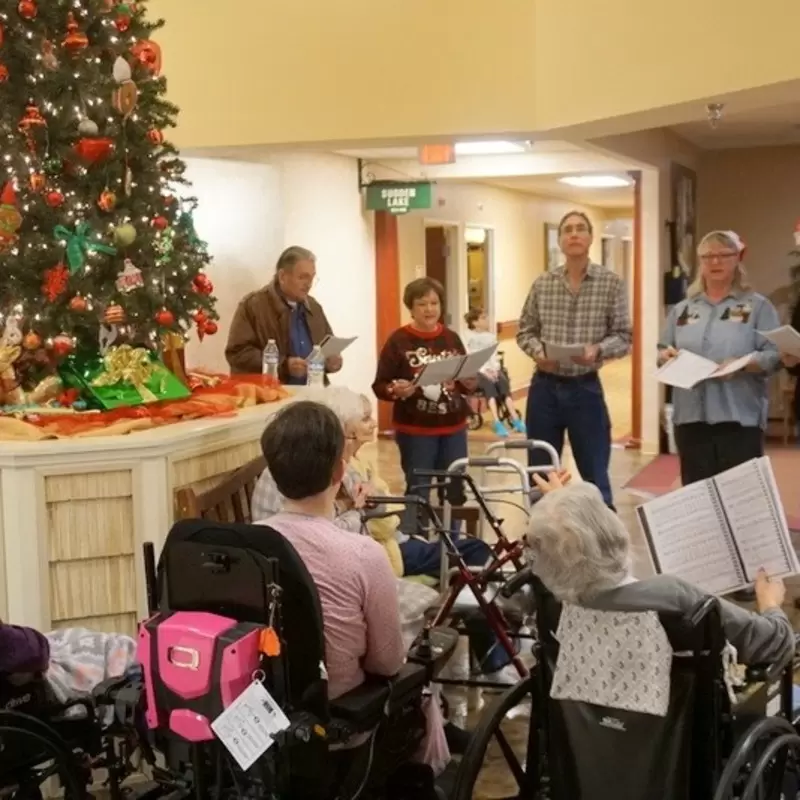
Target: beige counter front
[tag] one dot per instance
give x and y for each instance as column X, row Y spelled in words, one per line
column 74, row 514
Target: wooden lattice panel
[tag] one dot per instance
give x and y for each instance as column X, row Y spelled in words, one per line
column 91, row 550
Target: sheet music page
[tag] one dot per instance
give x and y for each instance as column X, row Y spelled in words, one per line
column 733, row 366
column 435, row 372
column 474, row 361
column 785, row 338
column 691, row 541
column 751, row 501
column 336, row 345
column 563, row 353
column 686, row 370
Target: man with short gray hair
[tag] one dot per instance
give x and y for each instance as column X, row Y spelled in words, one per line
column 580, row 550
column 282, row 310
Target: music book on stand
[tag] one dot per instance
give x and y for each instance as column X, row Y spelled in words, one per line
column 718, row 533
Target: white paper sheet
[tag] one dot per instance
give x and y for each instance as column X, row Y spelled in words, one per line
column 435, row 372
column 335, row 346
column 474, row 362
column 688, row 369
column 689, row 539
column 752, row 504
column 785, row 338
column 563, row 353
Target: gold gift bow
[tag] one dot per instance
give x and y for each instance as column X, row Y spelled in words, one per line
column 126, row 364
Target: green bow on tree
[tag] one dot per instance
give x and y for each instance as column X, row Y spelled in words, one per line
column 187, row 223
column 79, row 244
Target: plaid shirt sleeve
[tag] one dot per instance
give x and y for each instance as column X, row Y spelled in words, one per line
column 530, row 328
column 617, row 343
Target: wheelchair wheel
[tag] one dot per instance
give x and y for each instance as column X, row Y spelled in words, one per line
column 518, row 748
column 37, row 753
column 475, row 421
column 757, row 765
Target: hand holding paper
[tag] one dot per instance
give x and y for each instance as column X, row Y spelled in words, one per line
column 564, row 353
column 687, row 369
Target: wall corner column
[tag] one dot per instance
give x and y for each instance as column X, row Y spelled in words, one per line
column 387, row 293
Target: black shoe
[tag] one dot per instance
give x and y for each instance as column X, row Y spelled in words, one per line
column 457, row 739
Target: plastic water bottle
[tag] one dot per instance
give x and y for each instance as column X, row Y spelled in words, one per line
column 315, row 372
column 270, row 359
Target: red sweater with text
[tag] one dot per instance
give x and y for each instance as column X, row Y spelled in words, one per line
column 433, row 411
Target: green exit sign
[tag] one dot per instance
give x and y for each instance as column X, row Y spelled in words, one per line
column 398, row 198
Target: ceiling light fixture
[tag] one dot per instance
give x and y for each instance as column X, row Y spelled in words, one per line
column 595, row 181
column 714, row 113
column 490, row 148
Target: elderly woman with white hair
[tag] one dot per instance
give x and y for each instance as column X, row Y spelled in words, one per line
column 720, row 422
column 580, row 550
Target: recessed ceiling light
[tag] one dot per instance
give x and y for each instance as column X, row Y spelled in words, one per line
column 595, row 181
column 489, row 148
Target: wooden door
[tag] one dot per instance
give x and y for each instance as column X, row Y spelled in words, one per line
column 436, row 253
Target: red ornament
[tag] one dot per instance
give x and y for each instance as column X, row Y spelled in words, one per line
column 62, row 345
column 211, row 327
column 155, row 136
column 78, row 304
column 55, row 282
column 114, row 315
column 169, row 199
column 160, row 223
column 32, row 341
column 54, row 198
column 148, row 54
column 27, row 9
column 202, row 283
column 93, row 150
column 165, row 318
column 107, row 201
column 2, row 35
column 122, row 22
column 3, row 73
column 75, row 40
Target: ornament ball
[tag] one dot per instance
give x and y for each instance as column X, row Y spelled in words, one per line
column 155, row 136
column 3, row 73
column 88, row 127
column 27, row 9
column 37, row 181
column 32, row 341
column 165, row 318
column 210, row 328
column 114, row 315
column 62, row 345
column 107, row 200
column 125, row 234
column 78, row 304
column 54, row 198
column 160, row 223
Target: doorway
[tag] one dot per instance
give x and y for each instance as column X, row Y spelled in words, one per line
column 479, row 281
column 439, row 253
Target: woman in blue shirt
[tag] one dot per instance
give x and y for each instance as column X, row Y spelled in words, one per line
column 720, row 422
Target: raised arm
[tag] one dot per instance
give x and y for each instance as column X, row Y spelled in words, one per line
column 617, row 342
column 385, row 649
column 244, row 350
column 530, row 328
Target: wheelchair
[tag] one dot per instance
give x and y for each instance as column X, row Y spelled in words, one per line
column 714, row 742
column 219, row 589
column 477, row 403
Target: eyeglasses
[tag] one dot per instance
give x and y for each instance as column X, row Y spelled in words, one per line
column 575, row 229
column 709, row 258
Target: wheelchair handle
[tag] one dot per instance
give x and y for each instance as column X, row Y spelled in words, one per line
column 516, row 582
column 527, row 444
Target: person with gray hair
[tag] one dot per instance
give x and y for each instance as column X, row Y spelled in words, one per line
column 720, row 422
column 285, row 312
column 581, row 551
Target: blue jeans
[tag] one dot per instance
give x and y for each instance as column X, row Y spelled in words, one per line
column 421, row 557
column 577, row 406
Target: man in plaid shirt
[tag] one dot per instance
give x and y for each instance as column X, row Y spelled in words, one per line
column 577, row 303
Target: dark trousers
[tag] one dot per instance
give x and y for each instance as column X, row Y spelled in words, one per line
column 575, row 406
column 706, row 450
column 421, row 557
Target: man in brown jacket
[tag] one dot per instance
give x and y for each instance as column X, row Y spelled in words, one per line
column 284, row 311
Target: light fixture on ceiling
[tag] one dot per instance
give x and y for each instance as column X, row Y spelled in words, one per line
column 490, row 148
column 595, row 181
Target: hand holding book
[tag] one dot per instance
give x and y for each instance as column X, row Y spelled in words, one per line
column 770, row 592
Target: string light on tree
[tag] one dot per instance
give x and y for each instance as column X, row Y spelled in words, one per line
column 93, row 230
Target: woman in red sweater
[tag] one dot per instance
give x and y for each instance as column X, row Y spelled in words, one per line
column 430, row 424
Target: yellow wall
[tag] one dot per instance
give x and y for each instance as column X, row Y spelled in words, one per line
column 295, row 71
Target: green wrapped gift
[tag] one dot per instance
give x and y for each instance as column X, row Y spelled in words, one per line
column 124, row 376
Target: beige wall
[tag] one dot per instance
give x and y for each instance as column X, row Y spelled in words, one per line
column 755, row 192
column 517, row 223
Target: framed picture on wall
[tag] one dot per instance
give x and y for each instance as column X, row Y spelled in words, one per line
column 684, row 217
column 552, row 252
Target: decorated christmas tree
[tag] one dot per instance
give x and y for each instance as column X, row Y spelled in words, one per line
column 99, row 257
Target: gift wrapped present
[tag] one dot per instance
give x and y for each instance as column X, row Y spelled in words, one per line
column 124, row 376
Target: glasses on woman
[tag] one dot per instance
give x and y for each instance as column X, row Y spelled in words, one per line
column 709, row 258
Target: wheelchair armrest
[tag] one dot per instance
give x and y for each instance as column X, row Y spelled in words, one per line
column 362, row 707
column 435, row 651
column 766, row 673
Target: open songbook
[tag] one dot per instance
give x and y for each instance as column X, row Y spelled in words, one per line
column 718, row 533
column 455, row 368
column 687, row 369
